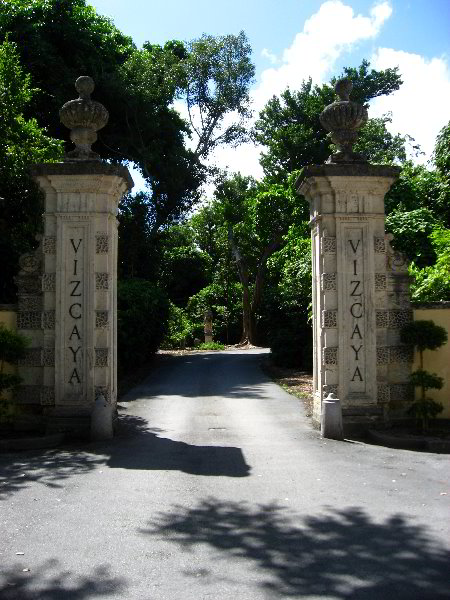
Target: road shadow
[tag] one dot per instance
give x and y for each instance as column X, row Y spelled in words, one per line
column 135, row 446
column 339, row 554
column 49, row 581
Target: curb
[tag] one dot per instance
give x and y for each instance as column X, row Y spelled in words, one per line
column 406, row 443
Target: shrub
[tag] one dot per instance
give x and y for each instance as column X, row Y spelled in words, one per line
column 211, row 346
column 13, row 347
column 292, row 347
column 143, row 314
column 180, row 329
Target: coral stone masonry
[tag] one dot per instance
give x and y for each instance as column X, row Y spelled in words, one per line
column 74, row 271
column 360, row 285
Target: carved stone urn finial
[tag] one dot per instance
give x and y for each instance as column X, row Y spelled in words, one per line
column 84, row 117
column 343, row 119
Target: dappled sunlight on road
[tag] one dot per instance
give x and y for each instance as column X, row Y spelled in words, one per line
column 339, row 553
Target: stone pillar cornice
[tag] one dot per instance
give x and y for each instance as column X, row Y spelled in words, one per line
column 86, row 167
column 329, row 171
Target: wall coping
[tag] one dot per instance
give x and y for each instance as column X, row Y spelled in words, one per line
column 8, row 307
column 444, row 304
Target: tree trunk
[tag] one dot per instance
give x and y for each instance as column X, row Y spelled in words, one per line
column 250, row 306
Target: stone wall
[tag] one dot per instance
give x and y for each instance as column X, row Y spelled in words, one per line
column 436, row 361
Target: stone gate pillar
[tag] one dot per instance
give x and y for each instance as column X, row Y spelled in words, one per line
column 77, row 332
column 359, row 299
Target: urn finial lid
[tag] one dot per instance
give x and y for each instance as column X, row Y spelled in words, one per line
column 343, row 118
column 85, row 86
column 84, row 117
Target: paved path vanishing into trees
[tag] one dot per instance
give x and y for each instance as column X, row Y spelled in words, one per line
column 216, row 488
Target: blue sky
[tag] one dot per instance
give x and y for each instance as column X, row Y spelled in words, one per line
column 295, row 39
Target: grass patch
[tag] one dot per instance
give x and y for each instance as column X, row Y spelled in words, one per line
column 210, row 346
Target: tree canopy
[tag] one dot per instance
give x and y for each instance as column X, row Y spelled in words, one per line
column 293, row 137
column 22, row 142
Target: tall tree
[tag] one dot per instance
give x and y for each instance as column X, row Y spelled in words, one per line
column 290, row 130
column 138, row 87
column 257, row 216
column 22, row 142
column 219, row 74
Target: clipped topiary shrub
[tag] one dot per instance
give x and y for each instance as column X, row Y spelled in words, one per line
column 424, row 335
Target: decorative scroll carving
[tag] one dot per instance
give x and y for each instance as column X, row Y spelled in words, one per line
column 331, row 389
column 330, row 356
column 48, row 319
column 48, row 282
column 401, row 354
column 382, row 355
column 329, row 318
column 381, row 319
column 329, row 282
column 49, row 245
column 102, row 243
column 380, row 282
column 30, row 262
column 102, row 281
column 382, row 393
column 48, row 357
column 101, row 319
column 398, row 318
column 101, row 357
column 29, row 319
column 28, row 284
column 379, row 245
column 329, row 245
column 47, row 395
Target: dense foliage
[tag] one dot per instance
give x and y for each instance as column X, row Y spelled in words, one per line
column 290, row 131
column 22, row 142
column 245, row 254
column 143, row 313
column 13, row 347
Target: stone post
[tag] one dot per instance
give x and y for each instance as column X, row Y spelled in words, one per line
column 77, row 337
column 356, row 315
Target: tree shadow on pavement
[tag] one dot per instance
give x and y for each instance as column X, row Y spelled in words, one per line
column 339, row 554
column 50, row 467
column 50, row 582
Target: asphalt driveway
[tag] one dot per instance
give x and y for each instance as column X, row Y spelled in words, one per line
column 217, row 487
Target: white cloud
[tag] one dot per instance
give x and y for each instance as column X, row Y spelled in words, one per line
column 334, row 29
column 267, row 54
column 421, row 106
